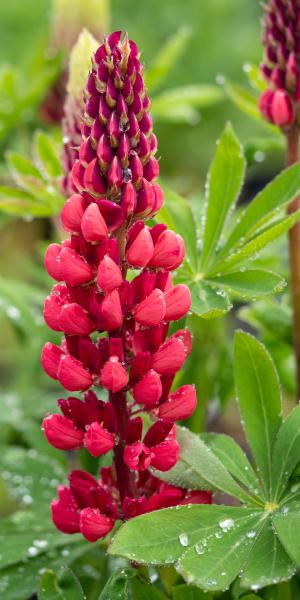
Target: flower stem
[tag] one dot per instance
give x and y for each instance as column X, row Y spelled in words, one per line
column 294, row 251
column 124, row 475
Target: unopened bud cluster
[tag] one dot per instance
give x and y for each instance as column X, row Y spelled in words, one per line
column 280, row 103
column 115, row 330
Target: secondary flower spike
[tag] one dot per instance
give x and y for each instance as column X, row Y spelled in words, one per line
column 115, row 329
column 280, row 103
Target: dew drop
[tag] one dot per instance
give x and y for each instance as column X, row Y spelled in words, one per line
column 226, row 524
column 183, row 539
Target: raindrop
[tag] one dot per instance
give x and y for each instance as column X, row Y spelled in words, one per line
column 226, row 524
column 251, row 534
column 183, row 539
column 199, row 549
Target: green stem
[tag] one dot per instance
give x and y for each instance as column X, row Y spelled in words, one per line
column 294, row 250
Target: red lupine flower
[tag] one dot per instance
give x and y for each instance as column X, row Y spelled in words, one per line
column 158, row 449
column 86, row 507
column 180, row 405
column 280, row 67
column 116, row 330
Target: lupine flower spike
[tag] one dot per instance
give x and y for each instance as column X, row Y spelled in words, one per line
column 116, row 330
column 280, row 102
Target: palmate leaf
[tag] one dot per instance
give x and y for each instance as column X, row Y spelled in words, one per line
column 208, row 301
column 223, row 186
column 37, row 192
column 26, row 576
column 259, row 398
column 275, row 196
column 127, row 584
column 217, row 267
column 189, row 592
column 287, row 525
column 250, row 249
column 250, row 283
column 268, row 561
column 50, row 588
column 286, row 454
column 234, row 459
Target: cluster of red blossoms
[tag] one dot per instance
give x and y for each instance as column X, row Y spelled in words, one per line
column 280, row 103
column 115, row 329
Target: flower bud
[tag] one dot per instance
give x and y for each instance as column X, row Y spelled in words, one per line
column 128, row 198
column 93, row 180
column 282, row 110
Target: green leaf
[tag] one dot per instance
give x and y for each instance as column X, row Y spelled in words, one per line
column 250, row 283
column 117, row 585
column 286, row 452
column 259, row 398
column 251, row 248
column 233, row 458
column 145, row 591
column 208, row 302
column 31, row 482
column 177, row 214
column 268, row 562
column 210, row 544
column 199, row 468
column 276, row 195
column 70, row 584
column 217, row 559
column 246, row 101
column 49, row 588
column 167, row 57
column 14, row 201
column 189, row 592
column 25, row 575
column 287, row 525
column 23, row 167
column 224, row 182
column 254, row 76
column 180, row 103
column 48, row 155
